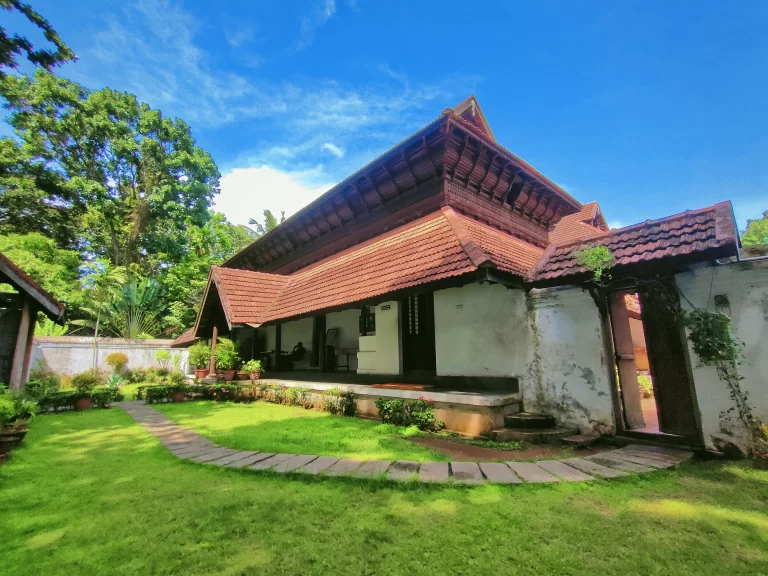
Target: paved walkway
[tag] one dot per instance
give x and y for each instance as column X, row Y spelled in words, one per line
column 188, row 444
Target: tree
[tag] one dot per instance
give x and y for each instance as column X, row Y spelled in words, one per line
column 12, row 47
column 270, row 222
column 137, row 179
column 756, row 233
column 100, row 283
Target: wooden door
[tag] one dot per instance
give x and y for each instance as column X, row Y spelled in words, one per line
column 668, row 362
column 418, row 329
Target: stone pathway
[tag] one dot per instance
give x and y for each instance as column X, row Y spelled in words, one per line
column 188, row 444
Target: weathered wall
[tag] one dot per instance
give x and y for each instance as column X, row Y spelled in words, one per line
column 746, row 287
column 567, row 373
column 381, row 354
column 481, row 330
column 74, row 354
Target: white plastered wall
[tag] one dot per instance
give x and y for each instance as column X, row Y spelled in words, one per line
column 568, row 374
column 481, row 330
column 746, row 287
column 381, row 353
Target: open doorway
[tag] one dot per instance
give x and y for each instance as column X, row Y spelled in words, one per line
column 655, row 383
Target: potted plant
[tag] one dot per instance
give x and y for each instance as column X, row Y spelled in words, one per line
column 84, row 383
column 200, row 357
column 253, row 368
column 226, row 358
column 7, row 413
column 117, row 361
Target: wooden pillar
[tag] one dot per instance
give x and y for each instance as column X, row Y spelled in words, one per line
column 322, row 344
column 278, row 345
column 17, row 368
column 625, row 360
column 214, row 340
column 30, row 342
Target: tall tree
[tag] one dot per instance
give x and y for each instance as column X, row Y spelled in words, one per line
column 756, row 233
column 11, row 47
column 138, row 179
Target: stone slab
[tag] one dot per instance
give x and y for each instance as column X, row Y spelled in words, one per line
column 344, row 467
column 499, row 473
column 651, row 462
column 403, row 470
column 214, row 455
column 317, row 466
column 373, row 468
column 294, row 463
column 619, row 463
column 684, row 454
column 594, row 468
column 195, row 452
column 227, row 460
column 271, row 461
column 667, row 458
column 434, row 472
column 467, row 472
column 257, row 457
column 564, row 471
column 530, row 472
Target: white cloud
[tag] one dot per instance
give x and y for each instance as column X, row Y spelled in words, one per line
column 310, row 24
column 333, row 149
column 615, row 224
column 247, row 192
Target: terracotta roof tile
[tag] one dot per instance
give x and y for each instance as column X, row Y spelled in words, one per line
column 439, row 246
column 186, row 339
column 679, row 235
column 578, row 226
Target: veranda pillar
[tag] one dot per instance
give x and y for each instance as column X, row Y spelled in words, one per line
column 214, row 339
column 20, row 352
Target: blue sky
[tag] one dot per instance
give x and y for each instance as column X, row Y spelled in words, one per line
column 650, row 108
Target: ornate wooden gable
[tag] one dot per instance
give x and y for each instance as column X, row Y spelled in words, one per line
column 453, row 161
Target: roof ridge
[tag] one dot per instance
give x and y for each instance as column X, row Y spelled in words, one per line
column 476, row 255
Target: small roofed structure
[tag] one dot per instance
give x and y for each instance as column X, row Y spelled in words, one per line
column 18, row 312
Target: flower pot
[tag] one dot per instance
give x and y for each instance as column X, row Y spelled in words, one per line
column 83, row 403
column 256, row 375
column 8, row 443
column 242, row 376
column 229, row 375
column 201, row 373
column 177, row 397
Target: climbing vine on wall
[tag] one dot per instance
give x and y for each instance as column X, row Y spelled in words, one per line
column 709, row 333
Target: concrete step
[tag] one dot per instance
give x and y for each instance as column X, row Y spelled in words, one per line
column 536, row 436
column 580, row 440
column 530, row 421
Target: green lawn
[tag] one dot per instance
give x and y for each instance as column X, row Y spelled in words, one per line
column 93, row 493
column 273, row 428
column 129, row 390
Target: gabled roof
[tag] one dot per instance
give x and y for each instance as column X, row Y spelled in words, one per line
column 17, row 278
column 436, row 247
column 470, row 111
column 185, row 339
column 706, row 233
column 586, row 223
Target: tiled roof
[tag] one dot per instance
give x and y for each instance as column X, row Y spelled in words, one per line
column 186, row 339
column 578, row 226
column 711, row 230
column 441, row 245
column 21, row 281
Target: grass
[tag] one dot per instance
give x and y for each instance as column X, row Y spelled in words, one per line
column 92, row 493
column 129, row 390
column 274, row 428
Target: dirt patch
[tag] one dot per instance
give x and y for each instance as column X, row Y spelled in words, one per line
column 468, row 452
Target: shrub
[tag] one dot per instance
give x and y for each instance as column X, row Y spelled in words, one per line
column 338, row 401
column 646, row 385
column 163, row 358
column 411, row 412
column 252, row 366
column 102, row 396
column 200, row 355
column 86, row 381
column 135, row 375
column 226, row 355
column 41, row 382
column 117, row 361
column 64, row 399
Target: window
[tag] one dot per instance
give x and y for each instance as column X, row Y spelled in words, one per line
column 368, row 321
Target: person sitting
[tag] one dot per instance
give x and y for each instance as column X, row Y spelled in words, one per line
column 298, row 353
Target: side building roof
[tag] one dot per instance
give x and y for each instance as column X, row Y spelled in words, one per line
column 16, row 277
